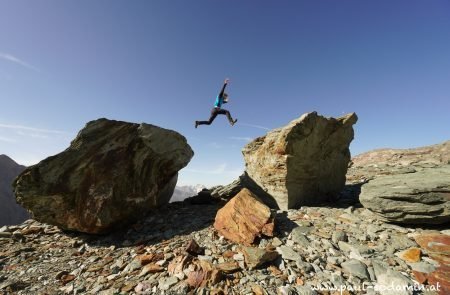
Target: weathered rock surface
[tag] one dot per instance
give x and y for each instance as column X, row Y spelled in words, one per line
column 244, row 218
column 151, row 256
column 10, row 211
column 112, row 174
column 437, row 246
column 419, row 197
column 304, row 162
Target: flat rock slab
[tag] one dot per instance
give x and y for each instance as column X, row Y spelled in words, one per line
column 437, row 246
column 422, row 197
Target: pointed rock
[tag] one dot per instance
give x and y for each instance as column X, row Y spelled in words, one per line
column 244, row 218
column 194, row 249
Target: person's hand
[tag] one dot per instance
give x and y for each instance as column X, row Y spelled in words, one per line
column 226, row 81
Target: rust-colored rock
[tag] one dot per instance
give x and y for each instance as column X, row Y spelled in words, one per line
column 177, row 265
column 145, row 259
column 151, row 268
column 437, row 247
column 434, row 243
column 410, row 255
column 193, row 248
column 244, row 218
column 204, row 275
column 420, row 277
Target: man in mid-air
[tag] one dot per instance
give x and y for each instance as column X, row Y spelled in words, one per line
column 217, row 110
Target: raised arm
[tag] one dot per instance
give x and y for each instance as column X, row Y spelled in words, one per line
column 223, row 88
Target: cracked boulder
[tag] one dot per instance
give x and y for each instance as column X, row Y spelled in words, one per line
column 111, row 175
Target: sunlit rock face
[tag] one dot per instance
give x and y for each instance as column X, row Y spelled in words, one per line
column 304, row 162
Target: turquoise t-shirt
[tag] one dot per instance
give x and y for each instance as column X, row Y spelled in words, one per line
column 219, row 102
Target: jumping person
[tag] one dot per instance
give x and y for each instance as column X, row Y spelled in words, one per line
column 217, row 110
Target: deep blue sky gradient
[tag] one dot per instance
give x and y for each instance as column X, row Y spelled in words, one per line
column 163, row 62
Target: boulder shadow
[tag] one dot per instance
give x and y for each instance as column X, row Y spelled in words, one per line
column 349, row 196
column 161, row 224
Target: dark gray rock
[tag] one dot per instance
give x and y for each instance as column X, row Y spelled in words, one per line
column 111, row 175
column 10, row 212
column 422, row 197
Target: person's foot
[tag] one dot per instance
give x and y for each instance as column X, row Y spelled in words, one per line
column 196, row 124
column 233, row 122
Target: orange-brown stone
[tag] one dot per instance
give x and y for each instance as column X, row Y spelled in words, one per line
column 420, row 277
column 410, row 255
column 244, row 218
column 434, row 243
column 145, row 259
column 440, row 278
column 438, row 248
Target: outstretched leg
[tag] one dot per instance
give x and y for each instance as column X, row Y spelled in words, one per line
column 214, row 113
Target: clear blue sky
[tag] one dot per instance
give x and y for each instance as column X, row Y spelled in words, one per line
column 64, row 63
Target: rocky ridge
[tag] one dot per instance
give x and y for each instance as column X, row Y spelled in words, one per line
column 405, row 185
column 10, row 211
column 335, row 248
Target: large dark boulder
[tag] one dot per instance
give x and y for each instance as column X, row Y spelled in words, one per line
column 111, row 175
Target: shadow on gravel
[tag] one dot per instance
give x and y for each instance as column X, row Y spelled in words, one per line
column 348, row 197
column 284, row 225
column 165, row 223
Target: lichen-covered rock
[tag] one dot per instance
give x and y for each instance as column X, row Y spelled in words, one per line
column 111, row 175
column 244, row 218
column 422, row 197
column 304, row 162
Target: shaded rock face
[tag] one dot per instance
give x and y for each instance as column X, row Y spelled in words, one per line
column 244, row 218
column 417, row 198
column 112, row 174
column 10, row 211
column 304, row 162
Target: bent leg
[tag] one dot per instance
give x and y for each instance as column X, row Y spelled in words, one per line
column 226, row 112
column 214, row 113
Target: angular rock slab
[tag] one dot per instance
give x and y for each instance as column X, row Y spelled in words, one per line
column 244, row 218
column 422, row 197
column 304, row 162
column 112, row 174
